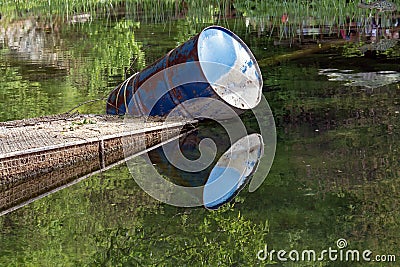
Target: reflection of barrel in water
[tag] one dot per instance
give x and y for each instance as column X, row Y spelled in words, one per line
column 189, row 146
column 228, row 172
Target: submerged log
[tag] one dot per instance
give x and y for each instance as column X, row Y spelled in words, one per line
column 299, row 53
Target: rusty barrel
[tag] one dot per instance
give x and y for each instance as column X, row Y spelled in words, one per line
column 215, row 63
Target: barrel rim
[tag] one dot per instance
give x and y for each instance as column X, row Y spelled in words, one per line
column 247, row 49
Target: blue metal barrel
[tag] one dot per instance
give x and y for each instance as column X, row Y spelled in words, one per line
column 215, row 63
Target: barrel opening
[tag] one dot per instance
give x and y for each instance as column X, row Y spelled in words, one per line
column 230, row 67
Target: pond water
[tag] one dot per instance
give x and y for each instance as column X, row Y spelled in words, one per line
column 335, row 174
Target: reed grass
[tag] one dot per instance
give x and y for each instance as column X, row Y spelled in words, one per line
column 328, row 16
column 265, row 14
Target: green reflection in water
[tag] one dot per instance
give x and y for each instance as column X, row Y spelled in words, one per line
column 108, row 221
column 48, row 73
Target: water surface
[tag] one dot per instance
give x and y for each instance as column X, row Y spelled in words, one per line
column 335, row 174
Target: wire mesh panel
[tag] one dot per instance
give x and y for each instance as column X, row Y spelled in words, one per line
column 39, row 155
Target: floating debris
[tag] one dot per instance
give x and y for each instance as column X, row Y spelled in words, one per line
column 382, row 45
column 363, row 79
column 380, row 5
column 81, row 18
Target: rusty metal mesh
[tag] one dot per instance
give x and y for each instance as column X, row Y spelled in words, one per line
column 55, row 130
column 41, row 154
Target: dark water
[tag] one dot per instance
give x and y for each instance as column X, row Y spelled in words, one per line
column 335, row 175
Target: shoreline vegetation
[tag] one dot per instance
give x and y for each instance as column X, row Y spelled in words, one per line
column 287, row 18
column 288, row 23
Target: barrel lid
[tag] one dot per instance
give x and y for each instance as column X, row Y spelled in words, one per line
column 230, row 67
